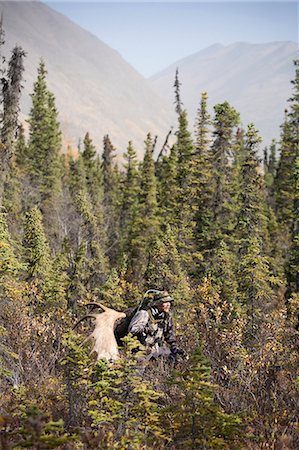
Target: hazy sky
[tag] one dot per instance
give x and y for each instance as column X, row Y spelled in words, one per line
column 151, row 36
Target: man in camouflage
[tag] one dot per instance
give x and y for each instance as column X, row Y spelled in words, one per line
column 153, row 325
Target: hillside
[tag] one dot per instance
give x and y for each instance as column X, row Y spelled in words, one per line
column 254, row 78
column 95, row 89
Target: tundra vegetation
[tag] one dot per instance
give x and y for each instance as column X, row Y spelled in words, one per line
column 205, row 219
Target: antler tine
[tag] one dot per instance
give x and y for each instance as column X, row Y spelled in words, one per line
column 99, row 305
column 92, row 316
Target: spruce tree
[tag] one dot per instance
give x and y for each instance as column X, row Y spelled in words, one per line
column 37, row 251
column 225, row 121
column 252, row 215
column 270, row 169
column 255, row 277
column 87, row 239
column 202, row 126
column 108, row 156
column 10, row 96
column 289, row 151
column 203, row 174
column 292, row 268
column 129, row 198
column 111, row 197
column 187, row 190
column 77, row 178
column 44, row 141
column 195, row 418
column 164, row 269
column 222, row 206
column 16, row 185
column 178, row 102
column 293, row 177
column 10, row 264
column 168, row 187
column 284, row 182
column 146, row 226
column 294, row 108
column 93, row 241
column 93, row 173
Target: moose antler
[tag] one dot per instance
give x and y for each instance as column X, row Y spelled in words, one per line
column 88, row 316
column 98, row 305
column 105, row 344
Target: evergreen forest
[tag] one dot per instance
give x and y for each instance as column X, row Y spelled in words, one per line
column 208, row 219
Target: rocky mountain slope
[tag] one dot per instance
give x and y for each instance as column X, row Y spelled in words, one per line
column 95, row 89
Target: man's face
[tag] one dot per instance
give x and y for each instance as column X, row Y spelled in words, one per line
column 163, row 307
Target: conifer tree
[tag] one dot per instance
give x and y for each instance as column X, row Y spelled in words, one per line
column 12, row 271
column 167, row 187
column 93, row 241
column 77, row 176
column 38, row 256
column 256, row 280
column 146, row 226
column 293, row 262
column 252, row 218
column 270, row 168
column 255, row 287
column 202, row 124
column 272, row 164
column 291, row 140
column 21, row 152
column 92, row 171
column 164, row 270
column 187, row 190
column 46, row 273
column 10, row 96
column 128, row 402
column 111, row 197
column 289, row 151
column 85, row 249
column 129, row 198
column 225, row 121
column 16, row 185
column 203, row 174
column 284, row 183
column 222, row 205
column 185, row 153
column 178, row 102
column 197, row 421
column 107, row 168
column 10, row 264
column 294, row 108
column 89, row 152
column 44, row 140
column 148, row 194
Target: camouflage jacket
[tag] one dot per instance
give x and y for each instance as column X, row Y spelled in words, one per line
column 153, row 328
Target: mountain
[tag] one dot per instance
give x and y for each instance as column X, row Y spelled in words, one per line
column 95, row 89
column 254, row 78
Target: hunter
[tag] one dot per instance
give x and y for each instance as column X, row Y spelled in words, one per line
column 153, row 326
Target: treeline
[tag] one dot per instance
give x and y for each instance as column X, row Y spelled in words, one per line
column 205, row 219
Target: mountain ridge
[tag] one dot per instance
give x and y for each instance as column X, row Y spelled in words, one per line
column 95, row 89
column 254, row 78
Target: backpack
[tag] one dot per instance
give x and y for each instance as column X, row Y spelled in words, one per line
column 122, row 327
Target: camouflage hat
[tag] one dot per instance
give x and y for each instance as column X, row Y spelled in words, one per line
column 162, row 297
